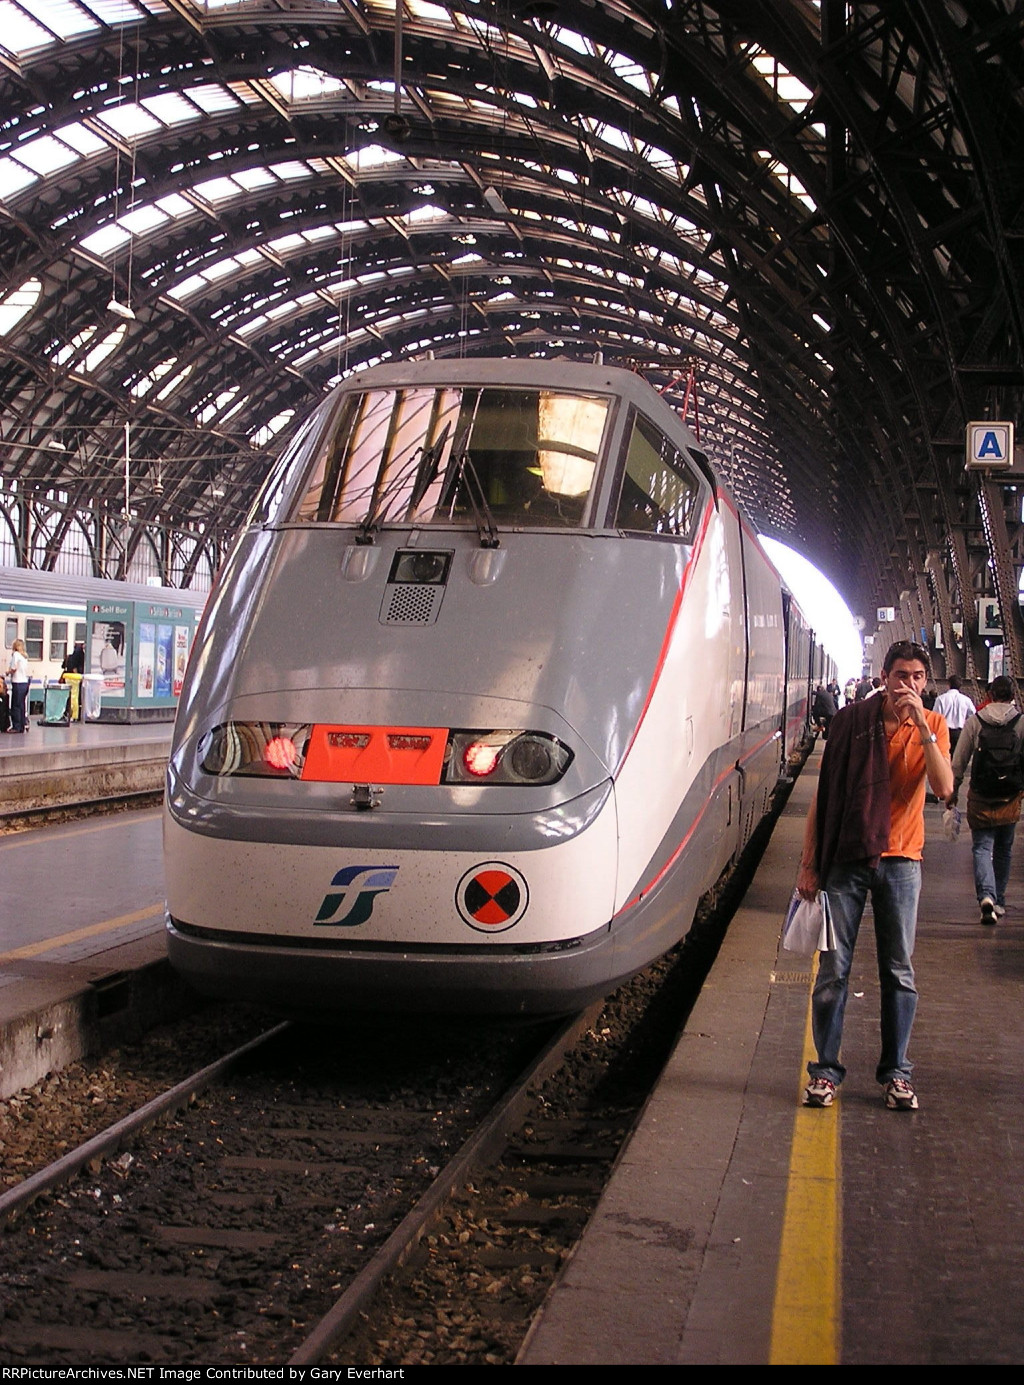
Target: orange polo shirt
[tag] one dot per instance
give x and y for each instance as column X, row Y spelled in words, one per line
column 907, row 779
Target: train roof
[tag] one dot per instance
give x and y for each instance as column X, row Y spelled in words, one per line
column 29, row 584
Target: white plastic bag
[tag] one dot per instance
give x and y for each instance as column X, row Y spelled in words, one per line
column 808, row 926
column 951, row 819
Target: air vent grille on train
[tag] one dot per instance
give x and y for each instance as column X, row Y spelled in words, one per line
column 411, row 604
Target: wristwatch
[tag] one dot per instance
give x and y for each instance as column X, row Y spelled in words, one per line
column 930, row 739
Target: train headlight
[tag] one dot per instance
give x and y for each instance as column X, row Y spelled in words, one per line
column 268, row 749
column 505, row 757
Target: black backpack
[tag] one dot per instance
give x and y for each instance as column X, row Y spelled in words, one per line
column 998, row 771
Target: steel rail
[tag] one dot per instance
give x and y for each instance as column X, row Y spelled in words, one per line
column 55, row 1175
column 488, row 1137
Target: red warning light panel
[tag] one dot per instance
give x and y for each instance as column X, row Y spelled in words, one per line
column 375, row 754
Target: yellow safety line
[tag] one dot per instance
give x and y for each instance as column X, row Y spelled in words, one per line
column 806, row 1316
column 21, row 954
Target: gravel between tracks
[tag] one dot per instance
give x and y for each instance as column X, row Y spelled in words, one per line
column 63, row 1109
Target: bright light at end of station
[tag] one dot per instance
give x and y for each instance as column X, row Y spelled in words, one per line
column 823, row 607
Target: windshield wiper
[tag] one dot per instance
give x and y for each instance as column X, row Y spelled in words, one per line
column 375, row 515
column 430, row 463
column 468, row 477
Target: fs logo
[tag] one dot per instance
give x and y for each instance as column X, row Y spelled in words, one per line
column 349, row 901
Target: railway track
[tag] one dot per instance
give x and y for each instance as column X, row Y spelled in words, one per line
column 19, row 819
column 255, row 1219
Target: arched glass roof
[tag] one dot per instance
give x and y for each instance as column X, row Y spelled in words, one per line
column 211, row 210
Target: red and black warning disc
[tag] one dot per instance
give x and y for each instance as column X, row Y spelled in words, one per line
column 492, row 897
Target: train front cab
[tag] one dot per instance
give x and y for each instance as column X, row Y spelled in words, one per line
column 681, row 707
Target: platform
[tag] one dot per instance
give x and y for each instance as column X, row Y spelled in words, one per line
column 741, row 1229
column 82, row 951
column 51, row 766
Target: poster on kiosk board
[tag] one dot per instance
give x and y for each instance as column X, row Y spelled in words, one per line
column 139, row 650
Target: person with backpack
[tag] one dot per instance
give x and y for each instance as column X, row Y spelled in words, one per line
column 994, row 740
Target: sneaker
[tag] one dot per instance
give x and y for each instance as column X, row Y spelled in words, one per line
column 988, row 910
column 900, row 1095
column 820, row 1091
column 1000, row 910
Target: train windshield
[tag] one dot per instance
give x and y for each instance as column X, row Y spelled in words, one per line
column 443, row 455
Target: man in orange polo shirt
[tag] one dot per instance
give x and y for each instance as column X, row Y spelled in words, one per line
column 865, row 835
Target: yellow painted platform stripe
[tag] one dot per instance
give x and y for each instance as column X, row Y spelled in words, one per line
column 22, row 954
column 806, row 1321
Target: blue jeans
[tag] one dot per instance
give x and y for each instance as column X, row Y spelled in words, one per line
column 19, row 705
column 992, row 847
column 894, row 885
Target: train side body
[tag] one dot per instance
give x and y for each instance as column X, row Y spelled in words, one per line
column 383, row 873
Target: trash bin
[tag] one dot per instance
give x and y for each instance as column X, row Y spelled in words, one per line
column 73, row 680
column 92, row 696
column 56, row 704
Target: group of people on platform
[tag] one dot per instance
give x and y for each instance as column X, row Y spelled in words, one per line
column 864, row 837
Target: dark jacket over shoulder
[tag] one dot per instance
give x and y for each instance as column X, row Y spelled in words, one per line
column 854, row 812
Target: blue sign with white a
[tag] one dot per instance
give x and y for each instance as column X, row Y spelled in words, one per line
column 990, row 444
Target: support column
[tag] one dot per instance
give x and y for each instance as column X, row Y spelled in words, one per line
column 953, row 656
column 1004, row 573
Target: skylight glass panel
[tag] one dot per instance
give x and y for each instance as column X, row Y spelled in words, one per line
column 65, row 353
column 117, row 11
column 142, row 387
column 217, row 189
column 21, row 34
column 248, row 329
column 18, row 304
column 371, row 156
column 425, row 213
column 175, row 205
column 422, row 10
column 14, row 177
column 85, row 141
column 271, row 428
column 220, row 269
column 291, row 170
column 283, row 245
column 106, row 348
column 46, row 154
column 250, row 178
column 173, row 384
column 107, row 238
column 193, row 284
column 571, row 39
column 212, row 98
column 129, row 120
column 214, row 407
column 171, row 109
column 305, row 83
column 629, row 71
column 143, row 219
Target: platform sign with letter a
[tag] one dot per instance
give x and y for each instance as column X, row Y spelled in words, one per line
column 989, row 445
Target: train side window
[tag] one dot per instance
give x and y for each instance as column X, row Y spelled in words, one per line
column 58, row 641
column 10, row 630
column 33, row 639
column 80, row 632
column 659, row 491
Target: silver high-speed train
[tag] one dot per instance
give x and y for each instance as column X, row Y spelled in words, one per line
column 495, row 683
